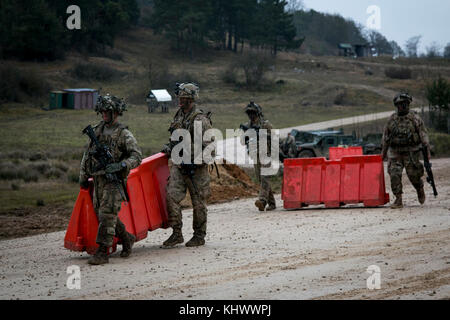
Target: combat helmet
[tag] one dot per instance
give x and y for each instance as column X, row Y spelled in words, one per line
column 402, row 97
column 187, row 90
column 253, row 107
column 109, row 102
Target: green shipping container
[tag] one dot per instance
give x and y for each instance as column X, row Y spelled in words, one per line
column 70, row 101
column 56, row 100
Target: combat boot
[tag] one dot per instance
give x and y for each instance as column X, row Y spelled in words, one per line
column 398, row 204
column 173, row 240
column 196, row 241
column 260, row 204
column 421, row 195
column 271, row 207
column 127, row 244
column 100, row 256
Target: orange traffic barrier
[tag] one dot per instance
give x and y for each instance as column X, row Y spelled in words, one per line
column 146, row 210
column 350, row 180
column 336, row 153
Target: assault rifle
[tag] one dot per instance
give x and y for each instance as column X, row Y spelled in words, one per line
column 104, row 157
column 427, row 164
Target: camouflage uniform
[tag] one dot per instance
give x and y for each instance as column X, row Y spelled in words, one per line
column 288, row 147
column 194, row 178
column 265, row 191
column 403, row 138
column 107, row 196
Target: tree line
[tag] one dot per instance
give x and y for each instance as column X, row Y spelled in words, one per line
column 228, row 24
column 36, row 29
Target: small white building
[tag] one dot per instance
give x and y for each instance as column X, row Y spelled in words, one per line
column 159, row 98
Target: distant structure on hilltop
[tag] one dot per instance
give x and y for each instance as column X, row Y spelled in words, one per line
column 355, row 50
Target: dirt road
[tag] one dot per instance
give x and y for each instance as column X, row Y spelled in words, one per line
column 308, row 254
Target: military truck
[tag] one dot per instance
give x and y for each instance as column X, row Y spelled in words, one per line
column 312, row 144
column 371, row 143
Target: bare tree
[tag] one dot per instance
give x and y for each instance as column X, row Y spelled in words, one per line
column 396, row 49
column 447, row 51
column 294, row 5
column 412, row 45
column 434, row 50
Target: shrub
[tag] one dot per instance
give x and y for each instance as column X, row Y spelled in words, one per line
column 438, row 93
column 42, row 167
column 18, row 85
column 53, row 173
column 62, row 167
column 15, row 186
column 158, row 75
column 40, row 203
column 230, row 75
column 73, row 176
column 95, row 71
column 441, row 144
column 38, row 156
column 398, row 73
column 255, row 67
column 30, row 176
column 9, row 171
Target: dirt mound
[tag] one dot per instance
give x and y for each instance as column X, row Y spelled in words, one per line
column 32, row 221
column 233, row 184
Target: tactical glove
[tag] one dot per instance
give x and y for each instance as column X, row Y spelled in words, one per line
column 115, row 167
column 166, row 150
column 84, row 184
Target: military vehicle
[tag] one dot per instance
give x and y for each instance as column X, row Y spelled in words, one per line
column 371, row 143
column 312, row 144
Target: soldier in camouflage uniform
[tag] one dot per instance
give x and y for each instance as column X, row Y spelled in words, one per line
column 288, row 148
column 108, row 196
column 192, row 177
column 404, row 136
column 257, row 122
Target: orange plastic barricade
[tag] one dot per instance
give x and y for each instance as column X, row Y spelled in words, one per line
column 336, row 153
column 351, row 180
column 146, row 210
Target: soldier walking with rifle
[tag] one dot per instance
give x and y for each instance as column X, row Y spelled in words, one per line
column 266, row 200
column 111, row 154
column 405, row 138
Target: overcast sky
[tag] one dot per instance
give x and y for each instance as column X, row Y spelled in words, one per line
column 400, row 19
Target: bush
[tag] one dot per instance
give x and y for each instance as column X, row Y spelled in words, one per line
column 438, row 93
column 30, row 176
column 42, row 167
column 398, row 73
column 441, row 144
column 53, row 173
column 230, row 75
column 15, row 186
column 95, row 71
column 17, row 85
column 38, row 156
column 255, row 67
column 73, row 176
column 62, row 167
column 158, row 75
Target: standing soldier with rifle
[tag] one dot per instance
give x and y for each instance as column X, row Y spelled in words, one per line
column 405, row 136
column 111, row 154
column 188, row 176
